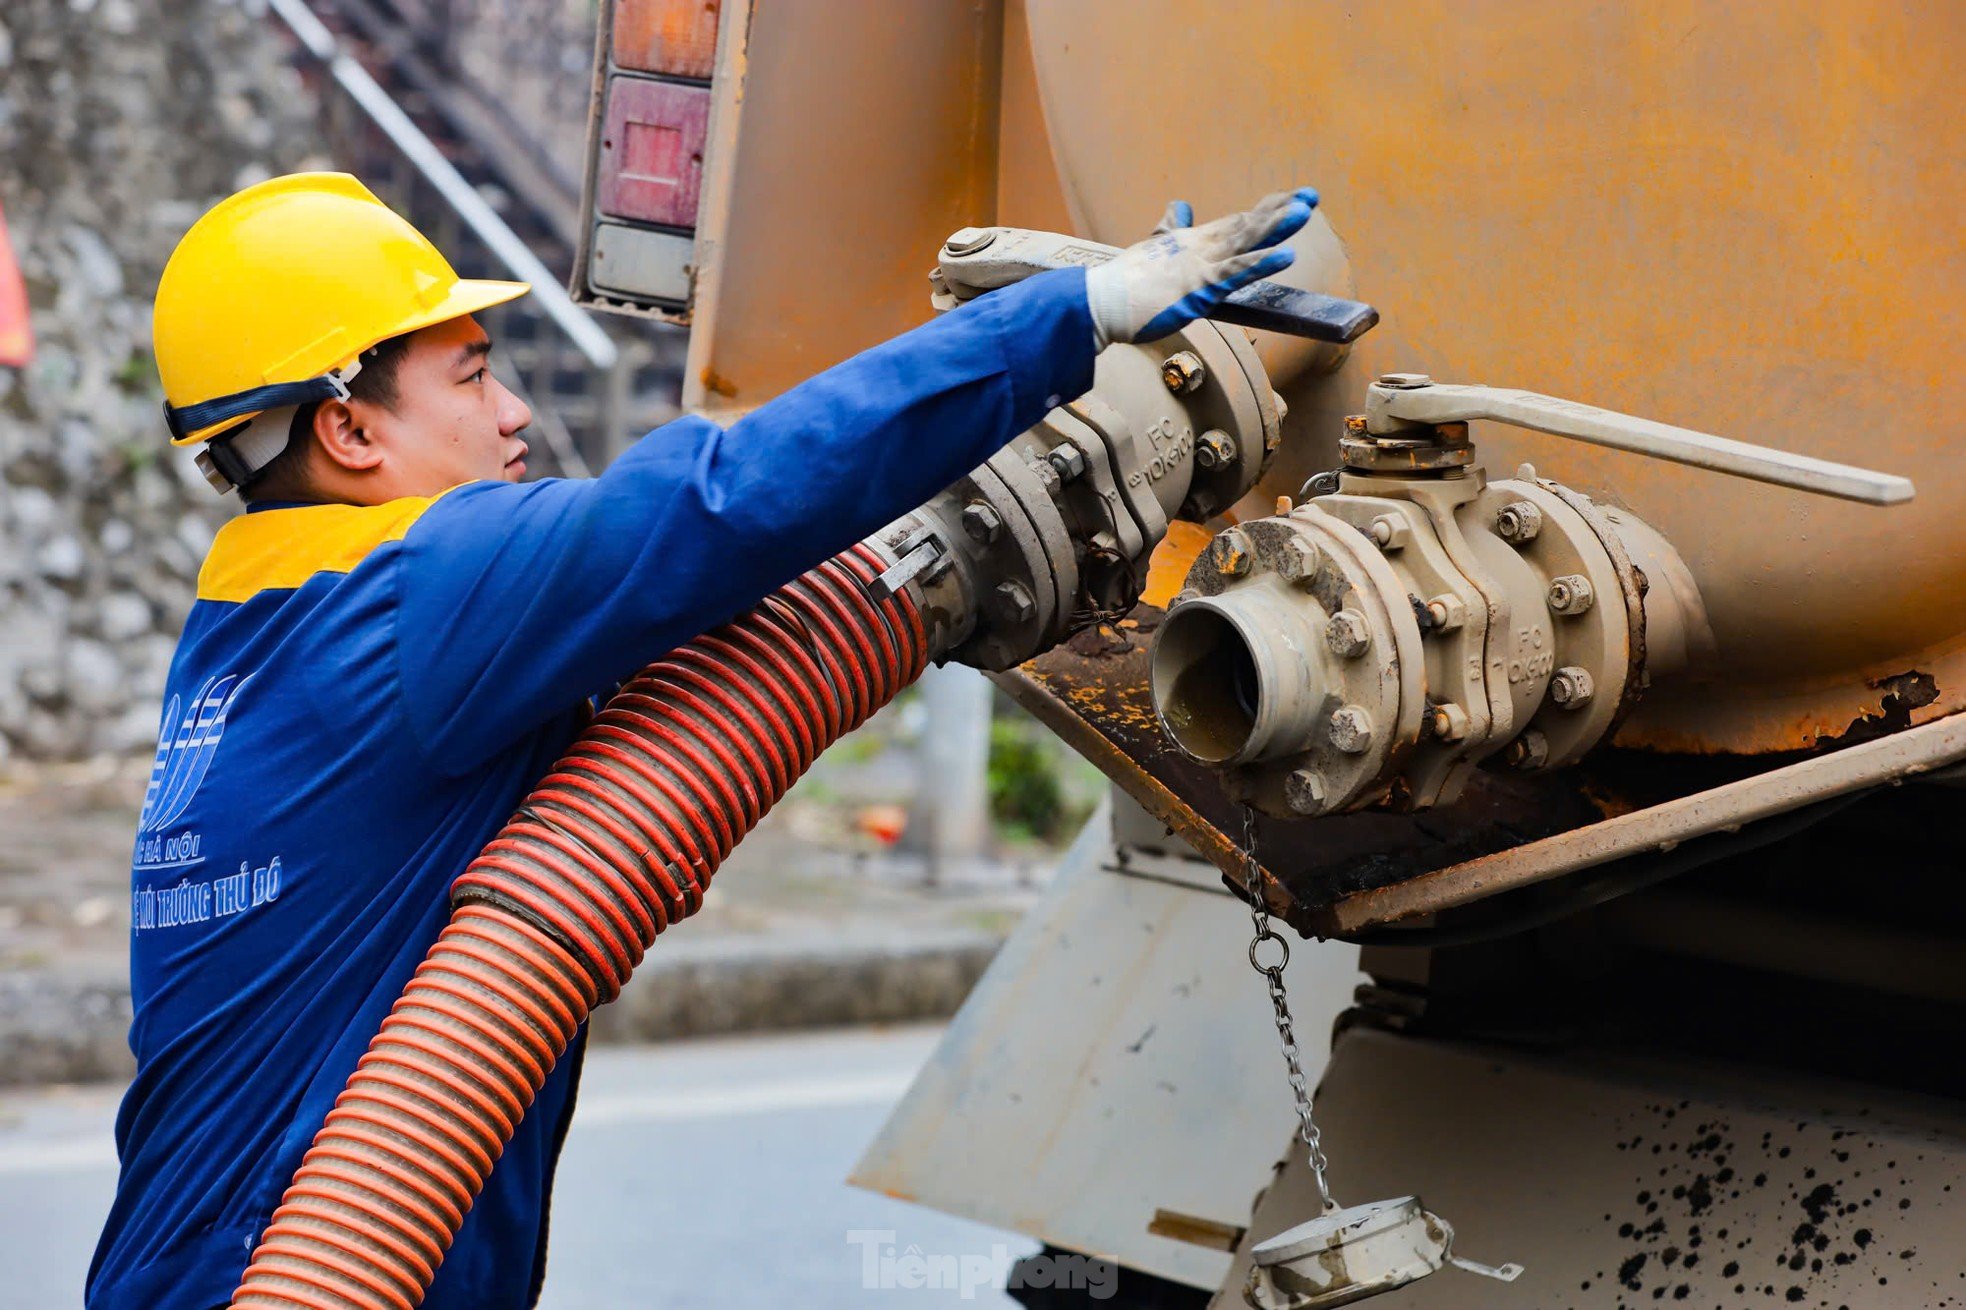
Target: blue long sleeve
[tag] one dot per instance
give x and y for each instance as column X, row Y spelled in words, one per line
column 518, row 600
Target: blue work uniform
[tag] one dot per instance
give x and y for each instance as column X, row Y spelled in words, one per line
column 363, row 695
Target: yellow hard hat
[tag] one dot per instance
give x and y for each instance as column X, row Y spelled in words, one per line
column 271, row 297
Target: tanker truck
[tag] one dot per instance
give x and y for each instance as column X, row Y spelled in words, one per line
column 1542, row 609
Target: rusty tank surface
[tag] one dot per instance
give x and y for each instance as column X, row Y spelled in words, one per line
column 1620, row 205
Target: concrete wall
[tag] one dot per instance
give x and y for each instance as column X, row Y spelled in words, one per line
column 120, row 122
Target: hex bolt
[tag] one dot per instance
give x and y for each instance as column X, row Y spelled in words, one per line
column 1014, row 602
column 982, row 522
column 1571, row 687
column 1405, row 381
column 1518, row 522
column 1303, row 791
column 1389, row 532
column 1348, row 635
column 1068, row 460
column 1447, row 612
column 1571, row 594
column 1182, row 371
column 1215, row 449
column 1529, row 751
column 1447, row 721
column 1351, row 729
column 1299, row 560
column 1229, row 553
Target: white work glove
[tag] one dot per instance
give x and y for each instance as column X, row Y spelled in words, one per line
column 1183, row 272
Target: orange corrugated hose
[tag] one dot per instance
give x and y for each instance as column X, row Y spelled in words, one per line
column 617, row 843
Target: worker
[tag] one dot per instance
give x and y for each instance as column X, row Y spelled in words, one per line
column 399, row 637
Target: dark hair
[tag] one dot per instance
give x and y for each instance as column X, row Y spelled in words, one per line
column 285, row 476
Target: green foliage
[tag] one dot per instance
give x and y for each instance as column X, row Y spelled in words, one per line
column 1036, row 793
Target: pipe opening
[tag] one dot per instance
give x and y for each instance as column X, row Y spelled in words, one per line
column 1206, row 685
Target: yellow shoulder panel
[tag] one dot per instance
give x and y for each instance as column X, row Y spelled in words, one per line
column 280, row 549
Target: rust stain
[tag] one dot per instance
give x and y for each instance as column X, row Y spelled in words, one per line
column 717, row 384
column 1168, row 567
column 1903, row 693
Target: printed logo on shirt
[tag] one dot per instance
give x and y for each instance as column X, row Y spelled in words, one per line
column 185, row 747
column 184, row 757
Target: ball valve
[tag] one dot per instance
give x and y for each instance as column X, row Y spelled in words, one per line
column 1413, row 619
column 1054, row 531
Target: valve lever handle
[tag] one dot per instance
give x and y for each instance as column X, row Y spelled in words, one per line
column 979, row 259
column 1404, row 401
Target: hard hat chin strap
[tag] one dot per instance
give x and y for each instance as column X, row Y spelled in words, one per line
column 332, row 385
column 230, row 459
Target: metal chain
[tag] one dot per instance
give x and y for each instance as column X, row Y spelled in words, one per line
column 1259, row 914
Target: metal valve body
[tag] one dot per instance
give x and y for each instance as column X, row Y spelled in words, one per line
column 1056, row 529
column 1375, row 644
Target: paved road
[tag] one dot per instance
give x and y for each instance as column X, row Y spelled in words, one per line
column 702, row 1174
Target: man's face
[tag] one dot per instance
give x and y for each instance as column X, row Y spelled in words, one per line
column 452, row 421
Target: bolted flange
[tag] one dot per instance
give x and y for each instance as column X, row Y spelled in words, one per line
column 1348, row 635
column 1351, row 729
column 1571, row 594
column 1229, row 553
column 981, row 522
column 1518, row 522
column 1447, row 612
column 1447, row 721
column 1068, row 460
column 1571, row 687
column 1215, row 449
column 1182, row 371
column 1304, row 791
column 1014, row 602
column 1298, row 561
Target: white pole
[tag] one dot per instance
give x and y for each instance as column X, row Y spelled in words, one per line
column 953, row 803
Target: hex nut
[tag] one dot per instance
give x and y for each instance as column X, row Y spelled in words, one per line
column 1518, row 522
column 1529, row 751
column 1389, row 532
column 1351, row 729
column 1182, row 371
column 1229, row 553
column 1215, row 449
column 982, row 522
column 1068, row 460
column 1348, row 635
column 1447, row 721
column 1303, row 791
column 1299, row 560
column 1447, row 612
column 1014, row 602
column 1571, row 594
column 1572, row 687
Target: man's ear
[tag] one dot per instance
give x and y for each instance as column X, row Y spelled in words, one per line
column 341, row 437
